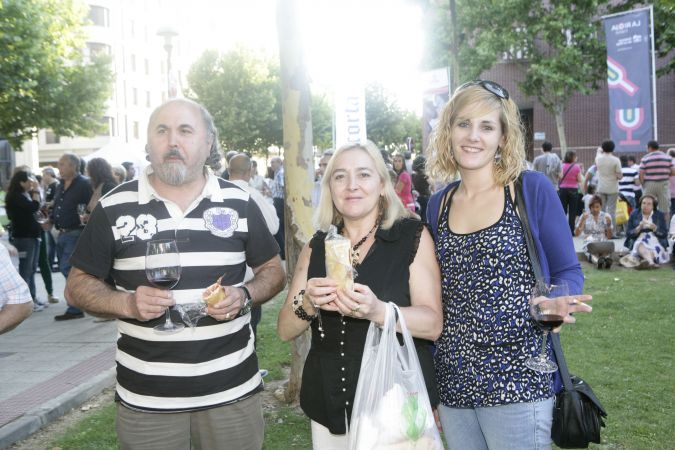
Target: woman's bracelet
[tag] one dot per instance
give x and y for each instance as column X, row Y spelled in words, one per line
column 299, row 310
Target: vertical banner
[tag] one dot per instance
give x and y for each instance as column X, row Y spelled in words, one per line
column 435, row 94
column 629, row 69
column 350, row 114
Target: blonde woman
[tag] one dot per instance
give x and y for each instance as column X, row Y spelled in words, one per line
column 394, row 259
column 489, row 398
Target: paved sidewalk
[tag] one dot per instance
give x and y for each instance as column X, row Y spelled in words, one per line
column 49, row 367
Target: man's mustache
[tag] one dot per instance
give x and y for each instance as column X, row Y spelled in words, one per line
column 175, row 154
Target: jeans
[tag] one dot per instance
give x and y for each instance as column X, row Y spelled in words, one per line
column 29, row 251
column 570, row 202
column 65, row 246
column 518, row 426
column 45, row 266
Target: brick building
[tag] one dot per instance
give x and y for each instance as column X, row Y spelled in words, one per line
column 586, row 118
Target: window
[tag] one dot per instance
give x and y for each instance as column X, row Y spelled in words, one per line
column 146, row 64
column 52, row 138
column 136, row 128
column 132, row 28
column 96, row 48
column 147, row 99
column 134, row 96
column 99, row 15
column 133, row 63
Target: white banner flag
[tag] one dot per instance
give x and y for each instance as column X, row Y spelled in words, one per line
column 350, row 115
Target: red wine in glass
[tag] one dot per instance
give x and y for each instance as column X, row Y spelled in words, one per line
column 549, row 321
column 163, row 269
column 164, row 279
column 548, row 312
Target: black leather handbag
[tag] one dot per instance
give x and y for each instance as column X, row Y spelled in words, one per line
column 577, row 414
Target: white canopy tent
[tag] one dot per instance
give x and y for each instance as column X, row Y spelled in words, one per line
column 118, row 152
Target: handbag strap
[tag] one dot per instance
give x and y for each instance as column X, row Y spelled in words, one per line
column 536, row 268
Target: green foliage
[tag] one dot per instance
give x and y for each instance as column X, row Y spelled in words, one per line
column 322, row 121
column 240, row 90
column 556, row 44
column 45, row 81
column 387, row 124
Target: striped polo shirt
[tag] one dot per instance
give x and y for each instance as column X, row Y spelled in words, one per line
column 218, row 235
column 656, row 166
column 627, row 185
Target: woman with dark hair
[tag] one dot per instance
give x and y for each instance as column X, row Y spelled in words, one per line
column 570, row 179
column 22, row 203
column 420, row 183
column 596, row 227
column 403, row 186
column 100, row 173
column 647, row 236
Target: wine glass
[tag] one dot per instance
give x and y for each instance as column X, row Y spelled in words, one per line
column 82, row 212
column 548, row 313
column 162, row 267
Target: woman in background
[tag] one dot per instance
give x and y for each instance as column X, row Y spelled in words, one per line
column 22, row 203
column 647, row 234
column 571, row 178
column 102, row 181
column 403, row 186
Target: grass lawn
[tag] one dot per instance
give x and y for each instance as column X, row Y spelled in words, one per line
column 624, row 350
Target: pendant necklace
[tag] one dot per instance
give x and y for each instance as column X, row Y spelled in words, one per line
column 354, row 251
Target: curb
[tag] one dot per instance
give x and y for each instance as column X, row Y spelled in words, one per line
column 38, row 417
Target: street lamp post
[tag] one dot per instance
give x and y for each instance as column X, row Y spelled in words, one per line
column 168, row 33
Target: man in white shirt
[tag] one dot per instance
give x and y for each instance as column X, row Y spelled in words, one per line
column 316, row 192
column 609, row 174
column 16, row 303
column 240, row 172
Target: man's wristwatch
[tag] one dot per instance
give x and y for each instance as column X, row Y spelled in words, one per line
column 247, row 304
column 299, row 310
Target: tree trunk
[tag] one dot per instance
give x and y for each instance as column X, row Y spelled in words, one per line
column 559, row 112
column 298, row 163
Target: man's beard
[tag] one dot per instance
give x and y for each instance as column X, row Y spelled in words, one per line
column 171, row 173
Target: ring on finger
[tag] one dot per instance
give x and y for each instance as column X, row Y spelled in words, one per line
column 574, row 301
column 227, row 316
column 356, row 308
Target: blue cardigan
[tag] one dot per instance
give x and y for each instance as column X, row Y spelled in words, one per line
column 550, row 230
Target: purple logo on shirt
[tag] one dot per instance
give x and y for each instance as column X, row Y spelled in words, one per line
column 221, row 221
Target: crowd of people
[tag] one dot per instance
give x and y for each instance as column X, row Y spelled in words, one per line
column 463, row 280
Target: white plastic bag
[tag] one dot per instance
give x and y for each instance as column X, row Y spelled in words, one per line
column 391, row 405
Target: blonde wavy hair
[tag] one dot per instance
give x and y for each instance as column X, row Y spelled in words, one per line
column 475, row 101
column 391, row 207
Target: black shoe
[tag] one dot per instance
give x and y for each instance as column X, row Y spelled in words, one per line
column 69, row 316
column 608, row 262
column 601, row 262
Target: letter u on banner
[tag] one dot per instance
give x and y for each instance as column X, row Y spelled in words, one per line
column 629, row 68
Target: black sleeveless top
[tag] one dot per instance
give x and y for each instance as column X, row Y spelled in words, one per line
column 332, row 367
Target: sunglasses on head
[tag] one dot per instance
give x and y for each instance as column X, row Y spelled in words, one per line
column 490, row 86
